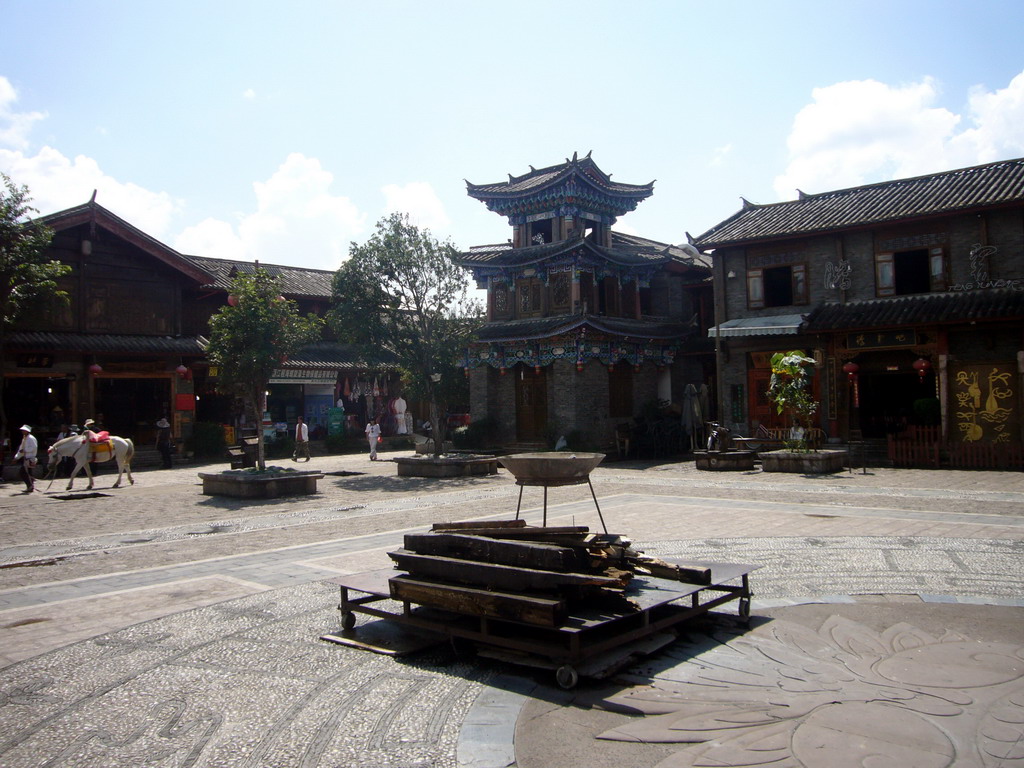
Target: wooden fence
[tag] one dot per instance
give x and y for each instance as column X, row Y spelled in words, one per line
column 924, row 447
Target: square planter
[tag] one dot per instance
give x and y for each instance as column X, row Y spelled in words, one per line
column 724, row 461
column 804, row 463
column 267, row 485
column 446, row 466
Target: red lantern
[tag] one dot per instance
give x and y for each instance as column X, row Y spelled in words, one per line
column 95, row 369
column 850, row 369
column 501, row 371
column 536, row 369
column 922, row 367
column 232, row 300
column 579, row 367
column 181, row 370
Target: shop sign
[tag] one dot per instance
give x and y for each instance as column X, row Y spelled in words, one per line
column 34, row 361
column 302, row 376
column 882, row 339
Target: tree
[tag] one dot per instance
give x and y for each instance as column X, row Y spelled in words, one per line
column 25, row 271
column 251, row 336
column 789, row 390
column 402, row 298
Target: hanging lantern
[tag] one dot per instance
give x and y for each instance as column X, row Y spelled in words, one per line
column 501, row 371
column 922, row 367
column 579, row 367
column 536, row 369
column 95, row 369
column 181, row 370
column 232, row 300
column 465, row 370
column 850, row 369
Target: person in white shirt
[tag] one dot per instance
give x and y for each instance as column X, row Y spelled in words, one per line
column 301, row 440
column 372, row 435
column 27, row 453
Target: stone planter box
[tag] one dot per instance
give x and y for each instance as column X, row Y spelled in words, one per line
column 270, row 485
column 725, row 461
column 446, row 466
column 809, row 463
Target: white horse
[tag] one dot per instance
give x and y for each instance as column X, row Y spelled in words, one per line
column 77, row 447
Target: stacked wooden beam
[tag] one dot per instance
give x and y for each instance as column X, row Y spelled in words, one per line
column 509, row 570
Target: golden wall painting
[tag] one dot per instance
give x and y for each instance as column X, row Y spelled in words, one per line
column 985, row 403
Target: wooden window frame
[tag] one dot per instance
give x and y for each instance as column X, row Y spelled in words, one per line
column 756, row 298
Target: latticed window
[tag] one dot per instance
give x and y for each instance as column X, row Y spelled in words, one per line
column 560, row 293
column 502, row 305
column 529, row 297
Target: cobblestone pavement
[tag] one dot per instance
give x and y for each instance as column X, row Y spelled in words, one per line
column 152, row 625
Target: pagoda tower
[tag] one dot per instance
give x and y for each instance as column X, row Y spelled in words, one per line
column 587, row 328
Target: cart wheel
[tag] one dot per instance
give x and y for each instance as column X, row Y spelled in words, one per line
column 348, row 620
column 744, row 608
column 567, row 677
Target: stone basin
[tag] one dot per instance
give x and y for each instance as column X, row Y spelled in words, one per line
column 552, row 468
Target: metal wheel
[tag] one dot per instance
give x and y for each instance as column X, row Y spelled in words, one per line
column 348, row 620
column 744, row 608
column 567, row 677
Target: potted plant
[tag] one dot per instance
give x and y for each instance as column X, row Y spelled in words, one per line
column 790, row 390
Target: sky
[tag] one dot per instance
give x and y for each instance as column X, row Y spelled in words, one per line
column 284, row 131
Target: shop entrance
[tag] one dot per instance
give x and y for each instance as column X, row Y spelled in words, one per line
column 41, row 402
column 129, row 407
column 887, row 400
column 531, row 404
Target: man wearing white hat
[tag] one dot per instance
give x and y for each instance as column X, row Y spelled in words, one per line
column 163, row 442
column 26, row 454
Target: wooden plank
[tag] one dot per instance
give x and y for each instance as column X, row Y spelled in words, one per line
column 479, row 602
column 527, row 554
column 536, row 533
column 674, row 571
column 501, row 577
column 478, row 524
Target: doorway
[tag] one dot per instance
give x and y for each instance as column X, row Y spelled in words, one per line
column 531, row 404
column 887, row 400
column 129, row 407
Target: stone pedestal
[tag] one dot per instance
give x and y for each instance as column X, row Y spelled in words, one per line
column 803, row 462
column 260, row 485
column 724, row 461
column 446, row 466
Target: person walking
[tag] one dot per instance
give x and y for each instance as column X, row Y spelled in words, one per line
column 27, row 455
column 301, row 440
column 163, row 442
column 373, row 435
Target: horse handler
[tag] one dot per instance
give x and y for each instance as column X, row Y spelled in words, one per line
column 27, row 454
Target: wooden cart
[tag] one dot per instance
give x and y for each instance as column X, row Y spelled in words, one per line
column 592, row 640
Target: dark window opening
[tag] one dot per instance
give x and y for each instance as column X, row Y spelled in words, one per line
column 911, row 268
column 620, row 391
column 778, row 286
column 540, row 231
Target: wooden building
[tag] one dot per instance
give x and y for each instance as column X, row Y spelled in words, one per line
column 585, row 325
column 129, row 346
column 908, row 293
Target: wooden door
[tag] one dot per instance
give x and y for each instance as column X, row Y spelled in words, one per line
column 761, row 410
column 531, row 404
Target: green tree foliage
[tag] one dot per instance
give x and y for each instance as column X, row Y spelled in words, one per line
column 253, row 337
column 402, row 299
column 26, row 273
column 789, row 389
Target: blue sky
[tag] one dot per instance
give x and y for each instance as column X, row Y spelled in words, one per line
column 284, row 131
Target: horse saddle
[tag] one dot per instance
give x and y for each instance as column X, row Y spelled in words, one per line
column 101, row 450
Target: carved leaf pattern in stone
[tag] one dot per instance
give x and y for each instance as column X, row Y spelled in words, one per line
column 844, row 696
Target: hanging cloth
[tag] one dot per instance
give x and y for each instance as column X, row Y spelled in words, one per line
column 376, row 389
column 348, row 389
column 384, row 388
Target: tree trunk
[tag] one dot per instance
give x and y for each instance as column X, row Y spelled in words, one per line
column 255, row 402
column 435, row 427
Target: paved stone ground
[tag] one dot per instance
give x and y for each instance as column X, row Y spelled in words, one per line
column 152, row 625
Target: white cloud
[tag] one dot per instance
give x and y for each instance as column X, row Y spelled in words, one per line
column 14, row 126
column 249, row 94
column 56, row 182
column 863, row 131
column 418, row 199
column 297, row 221
column 720, row 155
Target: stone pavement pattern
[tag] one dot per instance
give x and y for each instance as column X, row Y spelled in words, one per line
column 247, row 682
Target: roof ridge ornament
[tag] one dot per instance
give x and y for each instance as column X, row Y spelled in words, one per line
column 747, row 205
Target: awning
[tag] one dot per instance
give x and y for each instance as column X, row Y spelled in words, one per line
column 774, row 325
column 302, row 376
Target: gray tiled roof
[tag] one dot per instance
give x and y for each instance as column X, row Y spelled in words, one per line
column 294, row 281
column 626, row 250
column 543, row 327
column 540, row 178
column 927, row 308
column 98, row 343
column 988, row 185
column 327, row 355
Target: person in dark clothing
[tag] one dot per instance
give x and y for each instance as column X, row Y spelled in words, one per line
column 163, row 442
